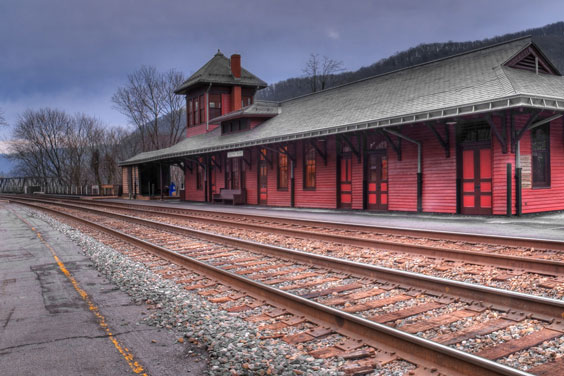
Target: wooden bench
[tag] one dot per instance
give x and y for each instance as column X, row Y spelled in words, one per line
column 235, row 196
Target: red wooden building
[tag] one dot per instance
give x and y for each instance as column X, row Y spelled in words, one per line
column 476, row 133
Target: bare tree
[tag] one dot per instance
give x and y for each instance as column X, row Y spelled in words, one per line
column 173, row 106
column 53, row 144
column 319, row 71
column 113, row 148
column 149, row 102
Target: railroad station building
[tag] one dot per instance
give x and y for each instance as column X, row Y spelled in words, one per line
column 477, row 133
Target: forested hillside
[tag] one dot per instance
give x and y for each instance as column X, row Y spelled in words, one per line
column 550, row 38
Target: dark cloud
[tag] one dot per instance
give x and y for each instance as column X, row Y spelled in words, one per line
column 72, row 54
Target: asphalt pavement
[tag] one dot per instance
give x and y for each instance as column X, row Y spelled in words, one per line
column 50, row 325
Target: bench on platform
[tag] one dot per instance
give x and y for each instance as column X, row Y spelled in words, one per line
column 235, row 196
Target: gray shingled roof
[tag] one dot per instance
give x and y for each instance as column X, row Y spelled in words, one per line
column 471, row 82
column 218, row 71
column 257, row 109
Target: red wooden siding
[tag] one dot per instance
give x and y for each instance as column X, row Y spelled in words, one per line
column 439, row 175
column 191, row 193
column 277, row 197
column 402, row 177
column 439, row 172
column 225, row 103
column 325, row 193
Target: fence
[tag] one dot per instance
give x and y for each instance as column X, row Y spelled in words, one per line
column 33, row 185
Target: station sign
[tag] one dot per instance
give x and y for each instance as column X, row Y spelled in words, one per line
column 235, row 154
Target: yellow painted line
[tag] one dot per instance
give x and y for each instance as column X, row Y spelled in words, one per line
column 124, row 351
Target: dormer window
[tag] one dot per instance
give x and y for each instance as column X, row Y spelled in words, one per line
column 234, row 125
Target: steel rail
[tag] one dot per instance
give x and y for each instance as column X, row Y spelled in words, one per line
column 408, row 346
column 542, row 308
column 525, row 242
column 536, row 265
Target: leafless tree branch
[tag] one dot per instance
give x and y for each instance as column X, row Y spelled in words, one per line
column 149, row 102
column 320, row 70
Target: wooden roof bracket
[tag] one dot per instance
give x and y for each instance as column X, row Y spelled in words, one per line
column 322, row 154
column 354, row 149
column 188, row 165
column 397, row 148
column 532, row 118
column 265, row 155
column 445, row 143
column 248, row 161
column 215, row 163
column 501, row 138
column 280, row 150
column 197, row 161
column 532, row 124
column 544, row 121
column 408, row 139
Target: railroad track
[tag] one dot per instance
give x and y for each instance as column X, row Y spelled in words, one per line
column 546, row 256
column 524, row 274
column 357, row 299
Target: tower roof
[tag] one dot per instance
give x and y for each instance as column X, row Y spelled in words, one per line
column 218, row 71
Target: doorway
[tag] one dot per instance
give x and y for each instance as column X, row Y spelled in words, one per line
column 377, row 181
column 345, row 180
column 263, row 178
column 475, row 170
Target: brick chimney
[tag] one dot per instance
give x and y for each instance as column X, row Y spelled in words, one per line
column 236, row 65
column 236, row 90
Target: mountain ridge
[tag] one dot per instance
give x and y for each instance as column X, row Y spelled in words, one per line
column 550, row 38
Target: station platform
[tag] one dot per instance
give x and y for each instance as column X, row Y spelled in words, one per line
column 537, row 226
column 47, row 327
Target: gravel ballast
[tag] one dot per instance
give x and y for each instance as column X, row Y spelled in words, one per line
column 234, row 346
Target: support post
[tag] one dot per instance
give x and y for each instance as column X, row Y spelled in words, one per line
column 292, row 185
column 206, row 188
column 419, row 192
column 518, row 178
column 161, row 180
column 509, row 193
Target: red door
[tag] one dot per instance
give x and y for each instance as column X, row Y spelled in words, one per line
column 477, row 181
column 345, row 183
column 262, row 180
column 377, row 180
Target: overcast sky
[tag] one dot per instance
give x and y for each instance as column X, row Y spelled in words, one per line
column 73, row 54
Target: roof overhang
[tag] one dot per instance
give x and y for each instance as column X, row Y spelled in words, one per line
column 241, row 115
column 518, row 101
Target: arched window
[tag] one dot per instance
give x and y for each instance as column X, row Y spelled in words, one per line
column 283, row 168
column 309, row 167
